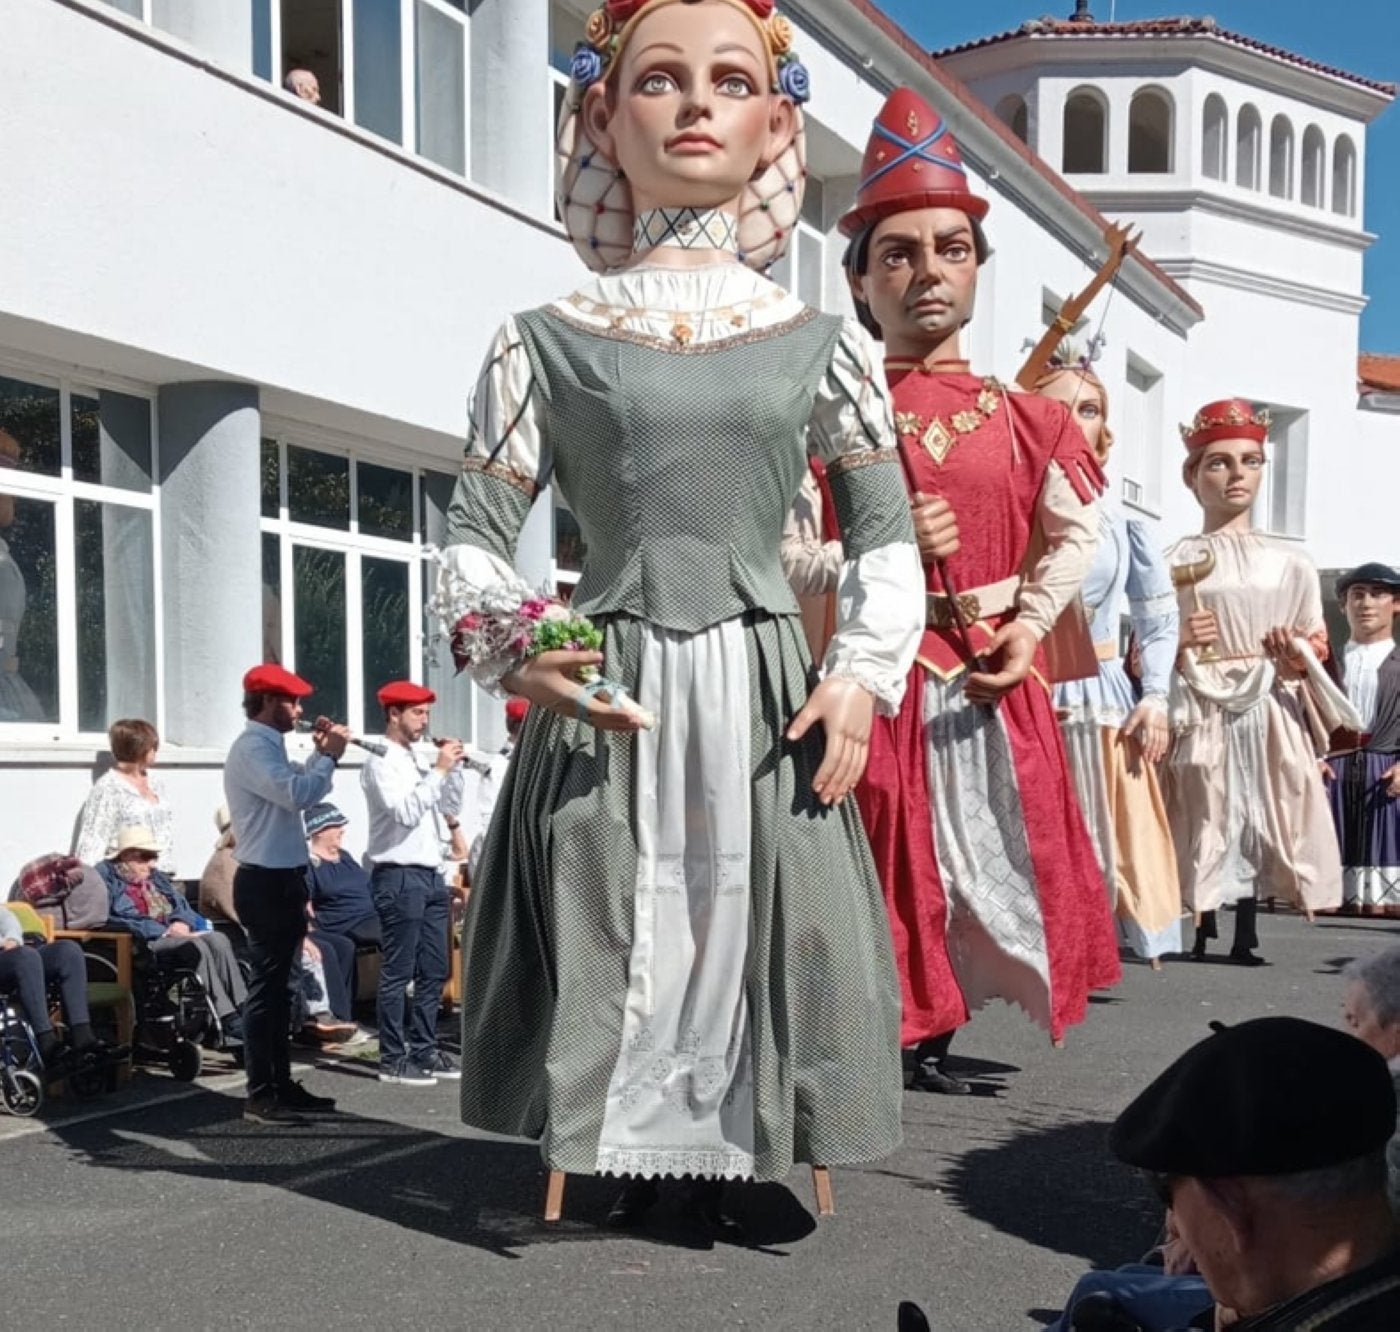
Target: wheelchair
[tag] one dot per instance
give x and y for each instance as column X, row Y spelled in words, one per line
column 24, row 1080
column 175, row 1020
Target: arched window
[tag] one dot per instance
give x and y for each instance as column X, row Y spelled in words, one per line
column 1344, row 177
column 1249, row 135
column 1086, row 133
column 1011, row 111
column 1150, row 132
column 1215, row 129
column 1281, row 158
column 1314, row 166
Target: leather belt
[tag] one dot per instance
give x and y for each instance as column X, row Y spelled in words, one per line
column 979, row 603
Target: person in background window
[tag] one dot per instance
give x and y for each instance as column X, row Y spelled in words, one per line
column 127, row 795
column 1251, row 705
column 18, row 702
column 304, row 84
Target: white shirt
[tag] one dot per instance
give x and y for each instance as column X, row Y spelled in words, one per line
column 1363, row 664
column 266, row 793
column 406, row 806
column 487, row 791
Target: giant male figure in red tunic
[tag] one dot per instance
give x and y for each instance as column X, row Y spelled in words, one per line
column 991, row 880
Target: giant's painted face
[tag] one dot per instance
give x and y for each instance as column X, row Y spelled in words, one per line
column 1226, row 475
column 1084, row 398
column 688, row 111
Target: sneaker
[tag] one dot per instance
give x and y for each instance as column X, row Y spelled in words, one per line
column 265, row 1108
column 444, row 1066
column 295, row 1097
column 405, row 1075
column 327, row 1029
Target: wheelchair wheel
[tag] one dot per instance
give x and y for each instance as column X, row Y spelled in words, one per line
column 186, row 1060
column 91, row 1080
column 21, row 1091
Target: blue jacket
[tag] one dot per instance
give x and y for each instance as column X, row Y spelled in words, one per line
column 122, row 911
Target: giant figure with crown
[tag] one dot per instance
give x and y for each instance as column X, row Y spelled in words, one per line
column 991, row 880
column 677, row 957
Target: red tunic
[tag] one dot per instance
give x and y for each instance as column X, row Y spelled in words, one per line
column 992, row 477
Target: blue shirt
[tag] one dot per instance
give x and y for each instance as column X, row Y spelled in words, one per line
column 266, row 793
column 340, row 893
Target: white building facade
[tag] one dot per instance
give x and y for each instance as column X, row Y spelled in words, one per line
column 238, row 332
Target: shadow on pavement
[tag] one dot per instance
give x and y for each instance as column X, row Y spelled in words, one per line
column 1058, row 1188
column 484, row 1194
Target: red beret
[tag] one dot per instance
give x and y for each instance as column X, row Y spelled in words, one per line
column 516, row 708
column 404, row 694
column 1230, row 418
column 270, row 678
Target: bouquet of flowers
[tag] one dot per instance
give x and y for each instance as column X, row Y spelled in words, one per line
column 492, row 630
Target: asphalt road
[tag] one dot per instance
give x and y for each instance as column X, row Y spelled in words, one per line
column 158, row 1207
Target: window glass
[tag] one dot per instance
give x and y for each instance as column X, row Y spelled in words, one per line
column 28, row 611
column 29, row 415
column 114, row 565
column 441, row 88
column 384, row 605
column 262, row 38
column 272, row 597
column 318, row 488
column 318, row 612
column 385, row 501
column 269, row 465
column 111, row 440
column 378, row 69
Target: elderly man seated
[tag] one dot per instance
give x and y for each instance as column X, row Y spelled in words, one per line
column 145, row 902
column 27, row 971
column 1267, row 1143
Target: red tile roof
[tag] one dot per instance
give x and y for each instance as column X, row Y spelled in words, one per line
column 1165, row 27
column 955, row 88
column 1378, row 373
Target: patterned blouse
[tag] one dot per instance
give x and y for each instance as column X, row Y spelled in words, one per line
column 114, row 804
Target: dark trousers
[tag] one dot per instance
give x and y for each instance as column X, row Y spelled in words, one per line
column 1246, row 926
column 412, row 902
column 29, row 971
column 338, row 966
column 271, row 904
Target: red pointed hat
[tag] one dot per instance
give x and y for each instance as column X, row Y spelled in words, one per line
column 910, row 162
column 1230, row 418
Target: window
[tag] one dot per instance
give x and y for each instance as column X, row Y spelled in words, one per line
column 1050, row 306
column 1086, row 133
column 1281, row 505
column 1249, row 133
column 343, row 591
column 78, row 622
column 1344, row 177
column 1138, row 446
column 1011, row 111
column 802, row 270
column 1281, row 158
column 1215, row 129
column 1314, row 157
column 1150, row 132
column 440, row 43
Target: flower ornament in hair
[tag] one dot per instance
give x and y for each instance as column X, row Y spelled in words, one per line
column 604, row 31
column 1067, row 356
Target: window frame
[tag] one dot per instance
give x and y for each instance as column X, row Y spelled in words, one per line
column 1143, row 492
column 64, row 492
column 355, row 546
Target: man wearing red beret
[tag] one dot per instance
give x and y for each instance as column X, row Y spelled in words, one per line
column 1252, row 706
column 488, row 789
column 411, row 818
column 266, row 793
column 991, row 881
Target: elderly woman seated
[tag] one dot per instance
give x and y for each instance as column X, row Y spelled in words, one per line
column 145, row 902
column 28, row 970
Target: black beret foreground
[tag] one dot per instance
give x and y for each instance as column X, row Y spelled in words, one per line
column 1274, row 1096
column 1372, row 572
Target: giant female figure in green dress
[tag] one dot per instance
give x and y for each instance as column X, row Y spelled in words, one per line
column 677, row 957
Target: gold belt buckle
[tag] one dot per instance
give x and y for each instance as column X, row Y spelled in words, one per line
column 940, row 609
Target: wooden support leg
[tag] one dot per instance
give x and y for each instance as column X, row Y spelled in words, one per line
column 554, row 1196
column 821, row 1182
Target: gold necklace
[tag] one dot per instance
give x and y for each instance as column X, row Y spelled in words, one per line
column 939, row 437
